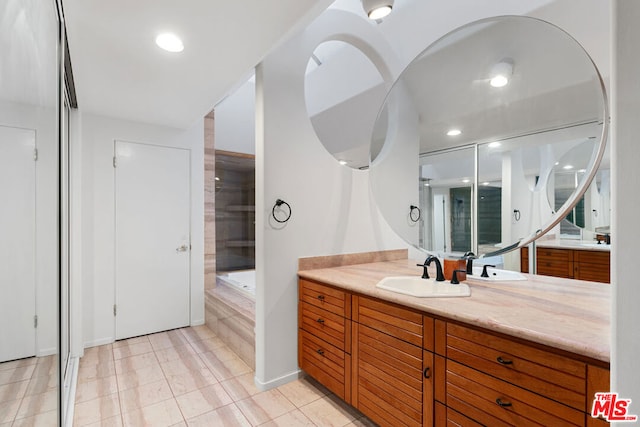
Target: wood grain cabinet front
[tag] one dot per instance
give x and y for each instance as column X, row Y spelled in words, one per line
column 324, row 336
column 591, row 265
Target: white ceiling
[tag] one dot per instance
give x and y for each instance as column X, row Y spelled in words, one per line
column 120, row 72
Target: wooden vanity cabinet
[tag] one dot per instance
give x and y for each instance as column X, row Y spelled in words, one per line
column 324, row 336
column 569, row 263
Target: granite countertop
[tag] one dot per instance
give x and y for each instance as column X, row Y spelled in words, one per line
column 583, row 245
column 571, row 315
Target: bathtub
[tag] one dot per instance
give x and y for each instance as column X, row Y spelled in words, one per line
column 243, row 281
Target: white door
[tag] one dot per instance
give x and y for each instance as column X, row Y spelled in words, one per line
column 152, row 204
column 17, row 243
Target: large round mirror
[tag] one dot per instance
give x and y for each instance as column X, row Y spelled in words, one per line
column 474, row 132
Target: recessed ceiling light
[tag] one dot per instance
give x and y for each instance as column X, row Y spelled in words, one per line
column 342, row 162
column 454, row 132
column 567, row 167
column 466, row 180
column 494, row 144
column 501, row 73
column 169, row 42
column 377, row 9
column 485, row 183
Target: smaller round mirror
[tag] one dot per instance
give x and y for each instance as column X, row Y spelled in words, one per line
column 343, row 90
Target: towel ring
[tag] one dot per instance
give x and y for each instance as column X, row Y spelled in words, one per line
column 411, row 209
column 280, row 202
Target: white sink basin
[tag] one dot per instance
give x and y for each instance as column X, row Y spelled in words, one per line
column 496, row 274
column 423, row 288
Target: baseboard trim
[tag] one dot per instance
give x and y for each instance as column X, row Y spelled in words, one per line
column 277, row 382
column 101, row 341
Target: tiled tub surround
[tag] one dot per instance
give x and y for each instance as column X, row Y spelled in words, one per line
column 231, row 316
column 571, row 315
column 190, row 377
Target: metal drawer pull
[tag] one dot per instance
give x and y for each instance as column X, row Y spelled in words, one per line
column 320, row 320
column 504, row 361
column 321, row 297
column 503, row 404
column 426, row 372
column 320, row 352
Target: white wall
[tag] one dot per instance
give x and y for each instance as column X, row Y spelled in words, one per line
column 235, row 120
column 333, row 211
column 97, row 201
column 45, row 122
column 625, row 154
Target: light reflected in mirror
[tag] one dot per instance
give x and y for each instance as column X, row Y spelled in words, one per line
column 550, row 100
column 343, row 90
column 28, row 217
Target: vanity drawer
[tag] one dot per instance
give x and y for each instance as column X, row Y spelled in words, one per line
column 326, row 363
column 324, row 324
column 389, row 318
column 491, row 401
column 554, row 376
column 592, row 257
column 549, row 267
column 549, row 254
column 592, row 272
column 325, row 297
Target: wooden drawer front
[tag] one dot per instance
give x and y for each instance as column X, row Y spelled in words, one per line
column 540, row 371
column 327, row 364
column 326, row 297
column 326, row 325
column 592, row 257
column 494, row 402
column 554, row 268
column 592, row 272
column 390, row 319
column 389, row 378
column 456, row 419
column 548, row 254
column 524, row 260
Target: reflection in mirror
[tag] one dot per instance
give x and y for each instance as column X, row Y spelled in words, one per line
column 28, row 216
column 591, row 215
column 343, row 90
column 549, row 99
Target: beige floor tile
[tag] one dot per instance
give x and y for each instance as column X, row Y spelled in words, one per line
column 97, row 355
column 161, row 414
column 329, row 411
column 224, row 370
column 197, row 333
column 20, row 363
column 166, row 339
column 294, row 418
column 92, row 372
column 265, row 406
column 138, row 377
column 129, row 350
column 174, row 353
column 97, row 388
column 145, row 395
column 13, row 391
column 226, row 416
column 208, row 345
column 42, row 384
column 241, row 387
column 184, row 364
column 362, row 422
column 8, row 410
column 45, row 419
column 131, row 341
column 46, row 366
column 180, row 424
column 202, row 401
column 17, row 374
column 38, row 404
column 302, row 391
column 191, row 381
column 92, row 411
column 115, row 421
column 134, row 363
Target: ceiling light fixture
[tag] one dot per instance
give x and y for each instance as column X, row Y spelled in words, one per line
column 501, row 73
column 377, row 9
column 567, row 167
column 454, row 132
column 169, row 42
column 494, row 144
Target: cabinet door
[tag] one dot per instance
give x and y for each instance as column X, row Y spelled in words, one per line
column 428, row 376
column 388, row 378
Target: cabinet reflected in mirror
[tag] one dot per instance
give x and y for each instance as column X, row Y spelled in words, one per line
column 29, row 171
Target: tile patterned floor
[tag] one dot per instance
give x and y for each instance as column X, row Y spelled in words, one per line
column 28, row 395
column 189, row 377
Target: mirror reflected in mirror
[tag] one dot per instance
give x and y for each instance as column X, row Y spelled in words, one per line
column 343, row 90
column 497, row 102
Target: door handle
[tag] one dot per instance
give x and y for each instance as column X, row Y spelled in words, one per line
column 182, row 248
